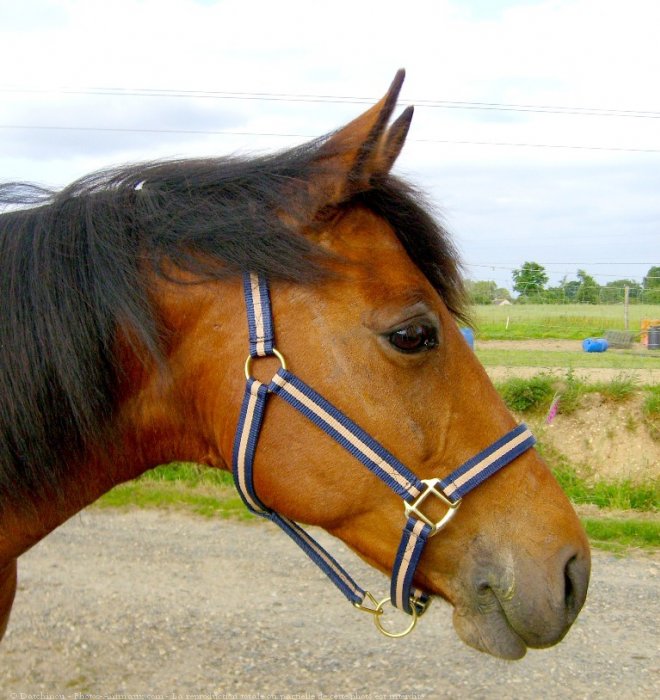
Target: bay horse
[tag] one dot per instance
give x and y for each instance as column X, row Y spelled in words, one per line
column 124, row 333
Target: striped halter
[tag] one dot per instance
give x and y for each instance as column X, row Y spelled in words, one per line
column 413, row 491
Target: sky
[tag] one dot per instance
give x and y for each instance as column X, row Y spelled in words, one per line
column 536, row 134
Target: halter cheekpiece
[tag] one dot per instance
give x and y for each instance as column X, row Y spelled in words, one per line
column 414, row 491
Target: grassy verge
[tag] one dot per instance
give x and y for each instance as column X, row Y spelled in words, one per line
column 145, row 494
column 210, row 493
column 180, row 486
column 619, row 359
column 608, row 495
column 534, row 394
column 620, row 536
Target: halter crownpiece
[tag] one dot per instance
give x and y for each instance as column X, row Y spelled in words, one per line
column 414, row 491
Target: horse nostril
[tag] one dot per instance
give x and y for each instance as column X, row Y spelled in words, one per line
column 569, row 588
column 576, row 581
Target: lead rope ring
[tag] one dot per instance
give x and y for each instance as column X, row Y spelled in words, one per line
column 377, row 613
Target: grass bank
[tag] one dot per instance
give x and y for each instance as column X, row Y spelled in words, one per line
column 622, row 535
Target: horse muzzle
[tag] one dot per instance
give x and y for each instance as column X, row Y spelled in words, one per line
column 517, row 603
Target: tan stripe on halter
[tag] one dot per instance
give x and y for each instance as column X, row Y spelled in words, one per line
column 336, row 425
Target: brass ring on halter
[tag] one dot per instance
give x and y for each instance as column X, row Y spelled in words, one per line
column 250, row 359
column 395, row 635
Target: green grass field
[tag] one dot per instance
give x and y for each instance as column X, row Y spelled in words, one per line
column 569, row 321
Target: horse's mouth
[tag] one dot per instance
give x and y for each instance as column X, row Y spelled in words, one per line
column 488, row 629
column 489, row 632
column 507, row 607
column 492, row 625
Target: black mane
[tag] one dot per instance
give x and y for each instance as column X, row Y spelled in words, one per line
column 74, row 269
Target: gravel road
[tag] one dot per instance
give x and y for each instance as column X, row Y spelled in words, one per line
column 146, row 604
column 649, row 374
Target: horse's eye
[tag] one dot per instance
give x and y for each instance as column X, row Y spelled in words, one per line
column 416, row 337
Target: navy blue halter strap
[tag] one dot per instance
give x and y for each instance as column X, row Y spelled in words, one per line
column 364, row 448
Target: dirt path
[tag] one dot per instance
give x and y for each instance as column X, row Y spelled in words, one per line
column 501, row 373
column 149, row 603
column 647, row 375
column 558, row 345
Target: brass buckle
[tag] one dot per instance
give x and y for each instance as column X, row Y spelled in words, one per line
column 250, row 360
column 413, row 508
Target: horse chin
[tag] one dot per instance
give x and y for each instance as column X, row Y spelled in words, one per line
column 489, row 631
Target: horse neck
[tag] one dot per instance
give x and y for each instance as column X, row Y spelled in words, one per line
column 183, row 407
column 7, row 592
column 157, row 420
column 23, row 526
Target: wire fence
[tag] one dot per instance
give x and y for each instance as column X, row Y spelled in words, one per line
column 567, row 321
column 571, row 293
column 587, row 295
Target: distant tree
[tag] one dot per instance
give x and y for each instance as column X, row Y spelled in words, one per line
column 614, row 292
column 503, row 294
column 565, row 293
column 587, row 292
column 554, row 295
column 652, row 278
column 530, row 279
column 481, row 292
column 570, row 290
column 652, row 286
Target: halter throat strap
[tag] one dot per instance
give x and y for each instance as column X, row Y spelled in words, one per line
column 414, row 491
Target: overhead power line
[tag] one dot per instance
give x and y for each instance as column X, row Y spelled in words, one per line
column 312, row 98
column 342, row 99
column 543, row 267
column 513, row 144
column 142, row 130
column 212, row 132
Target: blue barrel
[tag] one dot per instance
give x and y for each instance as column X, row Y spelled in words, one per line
column 594, row 345
column 468, row 334
column 654, row 338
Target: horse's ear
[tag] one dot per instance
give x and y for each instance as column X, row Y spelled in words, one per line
column 356, row 156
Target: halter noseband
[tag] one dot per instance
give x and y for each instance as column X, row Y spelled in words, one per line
column 362, row 446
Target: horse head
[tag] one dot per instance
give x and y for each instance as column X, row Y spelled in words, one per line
column 366, row 292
